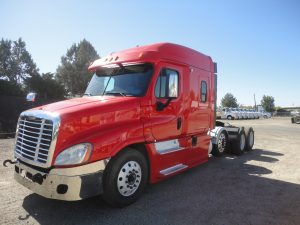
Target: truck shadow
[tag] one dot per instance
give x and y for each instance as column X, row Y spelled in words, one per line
column 226, row 190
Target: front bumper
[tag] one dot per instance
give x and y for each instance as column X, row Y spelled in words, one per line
column 68, row 184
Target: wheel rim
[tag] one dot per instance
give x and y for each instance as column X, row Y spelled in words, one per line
column 222, row 142
column 251, row 139
column 242, row 142
column 129, row 178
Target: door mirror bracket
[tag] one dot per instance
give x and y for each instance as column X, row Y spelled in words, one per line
column 160, row 106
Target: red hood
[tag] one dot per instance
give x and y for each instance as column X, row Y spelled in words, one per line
column 78, row 104
column 87, row 118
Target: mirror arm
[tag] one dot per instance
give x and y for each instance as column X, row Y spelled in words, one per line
column 168, row 102
column 160, row 106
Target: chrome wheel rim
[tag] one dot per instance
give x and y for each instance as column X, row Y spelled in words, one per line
column 242, row 142
column 129, row 178
column 222, row 142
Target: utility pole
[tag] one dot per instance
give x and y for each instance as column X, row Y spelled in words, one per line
column 255, row 103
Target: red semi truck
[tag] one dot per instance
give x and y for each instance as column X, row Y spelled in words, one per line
column 148, row 113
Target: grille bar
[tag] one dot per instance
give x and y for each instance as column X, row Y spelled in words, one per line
column 34, row 132
column 36, row 128
column 22, row 144
column 28, row 156
column 24, row 139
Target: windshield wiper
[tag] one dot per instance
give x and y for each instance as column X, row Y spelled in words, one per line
column 116, row 93
column 87, row 94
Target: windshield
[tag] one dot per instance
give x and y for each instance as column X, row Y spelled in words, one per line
column 131, row 80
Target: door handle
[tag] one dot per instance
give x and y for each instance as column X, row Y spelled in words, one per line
column 179, row 123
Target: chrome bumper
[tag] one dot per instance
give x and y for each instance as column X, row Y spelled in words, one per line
column 68, row 184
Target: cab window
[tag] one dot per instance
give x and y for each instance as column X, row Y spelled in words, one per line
column 167, row 84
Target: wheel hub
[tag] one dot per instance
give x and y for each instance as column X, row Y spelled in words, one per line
column 129, row 178
column 222, row 142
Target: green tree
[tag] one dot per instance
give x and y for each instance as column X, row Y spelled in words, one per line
column 45, row 86
column 10, row 89
column 72, row 72
column 268, row 103
column 229, row 101
column 16, row 63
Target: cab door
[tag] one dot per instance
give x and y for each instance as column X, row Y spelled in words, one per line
column 167, row 107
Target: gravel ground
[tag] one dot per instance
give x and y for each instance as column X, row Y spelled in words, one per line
column 260, row 187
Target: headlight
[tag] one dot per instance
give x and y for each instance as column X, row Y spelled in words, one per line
column 76, row 154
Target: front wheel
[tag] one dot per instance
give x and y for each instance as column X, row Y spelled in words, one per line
column 125, row 178
column 229, row 117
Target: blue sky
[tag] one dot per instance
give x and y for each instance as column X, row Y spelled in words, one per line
column 255, row 43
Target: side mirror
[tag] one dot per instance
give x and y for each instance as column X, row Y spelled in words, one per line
column 31, row 97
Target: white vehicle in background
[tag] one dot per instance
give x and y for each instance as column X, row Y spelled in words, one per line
column 246, row 114
column 228, row 113
column 242, row 114
column 256, row 114
column 251, row 114
column 236, row 113
column 265, row 114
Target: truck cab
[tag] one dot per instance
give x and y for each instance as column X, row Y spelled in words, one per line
column 146, row 114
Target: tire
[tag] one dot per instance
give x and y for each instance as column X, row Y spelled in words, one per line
column 249, row 138
column 229, row 117
column 121, row 183
column 293, row 120
column 265, row 117
column 221, row 146
column 239, row 144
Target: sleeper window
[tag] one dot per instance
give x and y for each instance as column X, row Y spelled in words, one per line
column 203, row 91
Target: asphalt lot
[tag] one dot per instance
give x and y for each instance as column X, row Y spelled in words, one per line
column 260, row 187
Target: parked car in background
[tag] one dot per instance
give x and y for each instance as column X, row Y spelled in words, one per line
column 241, row 113
column 295, row 119
column 265, row 114
column 256, row 114
column 229, row 113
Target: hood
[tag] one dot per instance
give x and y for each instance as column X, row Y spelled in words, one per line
column 78, row 104
column 84, row 119
column 81, row 118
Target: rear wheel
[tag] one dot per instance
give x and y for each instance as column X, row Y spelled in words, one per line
column 293, row 120
column 229, row 117
column 239, row 144
column 221, row 146
column 249, row 138
column 125, row 177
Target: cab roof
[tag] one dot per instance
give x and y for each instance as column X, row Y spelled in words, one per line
column 154, row 52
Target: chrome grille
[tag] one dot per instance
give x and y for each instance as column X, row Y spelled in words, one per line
column 34, row 136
